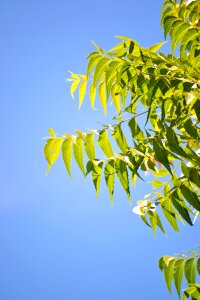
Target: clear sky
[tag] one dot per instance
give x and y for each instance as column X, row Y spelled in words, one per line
column 57, row 242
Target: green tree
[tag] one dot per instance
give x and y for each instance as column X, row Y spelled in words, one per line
column 165, row 89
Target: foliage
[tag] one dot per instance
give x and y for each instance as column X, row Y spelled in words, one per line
column 175, row 267
column 165, row 89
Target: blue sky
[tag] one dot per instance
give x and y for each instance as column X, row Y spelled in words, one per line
column 56, row 240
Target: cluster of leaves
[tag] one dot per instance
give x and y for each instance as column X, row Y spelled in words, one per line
column 165, row 89
column 176, row 267
column 168, row 90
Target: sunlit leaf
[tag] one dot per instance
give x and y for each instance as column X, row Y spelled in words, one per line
column 116, row 97
column 52, row 150
column 109, row 173
column 92, row 95
column 169, row 213
column 178, row 274
column 100, row 67
column 67, row 154
column 168, row 273
column 82, row 91
column 103, row 96
column 189, row 270
column 161, row 154
column 96, row 176
column 190, row 196
column 120, row 138
column 105, row 144
column 156, row 47
column 74, row 86
column 78, row 153
column 122, row 173
column 181, row 208
column 90, row 146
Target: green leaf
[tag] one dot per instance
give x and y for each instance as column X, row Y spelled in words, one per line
column 92, row 95
column 184, row 296
column 89, row 145
column 92, row 62
column 78, row 153
column 82, row 92
column 161, row 153
column 96, row 175
column 52, row 132
column 111, row 70
column 52, row 150
column 104, row 143
column 122, row 173
column 109, row 173
column 169, row 213
column 181, row 207
column 120, row 138
column 131, row 47
column 159, row 224
column 156, row 47
column 100, row 67
column 161, row 263
column 67, row 154
column 190, row 195
column 191, row 34
column 168, row 273
column 173, row 142
column 178, row 34
column 115, row 97
column 168, row 24
column 153, row 220
column 192, row 174
column 156, row 184
column 178, row 274
column 103, row 95
column 161, row 173
column 166, row 12
column 74, row 86
column 189, row 270
column 190, row 129
column 97, row 47
column 198, row 265
column 167, row 259
column 135, row 129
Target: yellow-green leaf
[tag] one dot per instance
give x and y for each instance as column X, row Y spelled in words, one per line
column 161, row 154
column 156, row 47
column 82, row 91
column 120, row 138
column 122, row 173
column 96, row 176
column 189, row 270
column 74, row 86
column 169, row 213
column 178, row 274
column 103, row 95
column 52, row 132
column 100, row 67
column 92, row 62
column 115, row 97
column 52, row 150
column 78, row 153
column 89, row 145
column 109, row 173
column 168, row 273
column 92, row 95
column 105, row 144
column 67, row 154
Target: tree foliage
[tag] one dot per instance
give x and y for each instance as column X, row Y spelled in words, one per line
column 157, row 98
